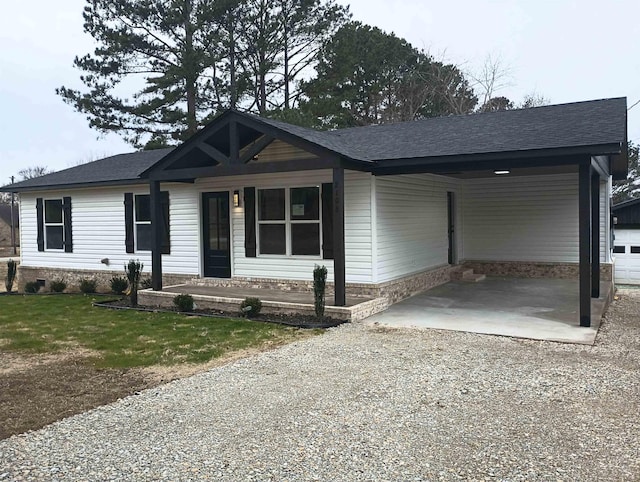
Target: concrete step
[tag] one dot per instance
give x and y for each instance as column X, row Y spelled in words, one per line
column 459, row 274
column 474, row 277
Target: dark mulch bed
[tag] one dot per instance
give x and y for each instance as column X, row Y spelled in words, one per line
column 299, row 321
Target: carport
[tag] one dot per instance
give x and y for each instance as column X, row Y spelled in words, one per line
column 534, row 308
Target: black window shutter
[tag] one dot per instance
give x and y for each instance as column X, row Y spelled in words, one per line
column 327, row 220
column 129, row 240
column 250, row 222
column 40, row 216
column 165, row 240
column 68, row 230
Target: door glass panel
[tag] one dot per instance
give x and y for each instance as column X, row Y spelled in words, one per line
column 218, row 224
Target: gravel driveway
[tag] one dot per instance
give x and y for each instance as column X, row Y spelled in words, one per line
column 360, row 403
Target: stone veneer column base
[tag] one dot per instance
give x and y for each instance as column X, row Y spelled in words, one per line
column 533, row 269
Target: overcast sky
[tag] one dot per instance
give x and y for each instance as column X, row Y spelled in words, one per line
column 563, row 50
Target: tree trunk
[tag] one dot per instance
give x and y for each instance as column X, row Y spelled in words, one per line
column 190, row 72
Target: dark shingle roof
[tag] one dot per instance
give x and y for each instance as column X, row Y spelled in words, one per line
column 114, row 169
column 574, row 125
column 556, row 126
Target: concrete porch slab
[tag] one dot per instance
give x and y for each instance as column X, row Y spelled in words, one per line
column 539, row 309
column 273, row 301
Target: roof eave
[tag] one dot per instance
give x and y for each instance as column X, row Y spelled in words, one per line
column 590, row 150
column 79, row 185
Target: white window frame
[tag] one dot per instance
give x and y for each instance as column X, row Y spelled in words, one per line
column 288, row 222
column 46, row 224
column 136, row 222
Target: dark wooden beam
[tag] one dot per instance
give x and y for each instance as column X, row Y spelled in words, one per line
column 584, row 235
column 213, row 153
column 385, row 169
column 250, row 168
column 156, row 236
column 255, row 149
column 536, row 154
column 234, row 143
column 339, row 275
column 595, row 235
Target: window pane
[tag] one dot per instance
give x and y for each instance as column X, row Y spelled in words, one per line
column 305, row 203
column 618, row 249
column 635, row 249
column 143, row 207
column 143, row 237
column 53, row 211
column 54, row 237
column 305, row 239
column 273, row 239
column 271, row 204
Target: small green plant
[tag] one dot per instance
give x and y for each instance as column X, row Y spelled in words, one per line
column 319, row 289
column 58, row 285
column 250, row 307
column 88, row 285
column 119, row 284
column 183, row 302
column 146, row 283
column 32, row 287
column 12, row 268
column 133, row 270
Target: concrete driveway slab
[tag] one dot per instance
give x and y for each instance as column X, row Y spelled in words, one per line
column 539, row 309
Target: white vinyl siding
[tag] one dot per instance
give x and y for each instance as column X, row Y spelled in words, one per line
column 357, row 227
column 99, row 231
column 529, row 218
column 411, row 223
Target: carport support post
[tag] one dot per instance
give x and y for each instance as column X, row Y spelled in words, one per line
column 338, row 237
column 584, row 229
column 595, row 235
column 156, row 236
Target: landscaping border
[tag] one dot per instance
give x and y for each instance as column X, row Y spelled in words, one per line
column 330, row 323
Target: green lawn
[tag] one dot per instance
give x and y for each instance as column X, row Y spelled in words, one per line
column 41, row 324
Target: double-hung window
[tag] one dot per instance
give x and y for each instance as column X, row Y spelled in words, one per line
column 289, row 221
column 142, row 222
column 53, row 224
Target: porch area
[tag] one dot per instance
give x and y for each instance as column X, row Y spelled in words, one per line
column 532, row 308
column 276, row 301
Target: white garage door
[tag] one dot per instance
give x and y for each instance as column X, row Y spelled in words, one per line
column 627, row 254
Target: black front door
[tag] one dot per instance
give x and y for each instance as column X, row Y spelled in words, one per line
column 216, row 234
column 451, row 227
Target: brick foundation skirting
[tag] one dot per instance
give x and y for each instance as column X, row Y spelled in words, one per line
column 73, row 277
column 532, row 269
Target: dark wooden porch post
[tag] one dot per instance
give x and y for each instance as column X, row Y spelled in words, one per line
column 338, row 237
column 584, row 222
column 156, row 235
column 595, row 235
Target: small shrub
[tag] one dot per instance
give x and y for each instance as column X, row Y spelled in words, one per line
column 58, row 285
column 319, row 289
column 119, row 284
column 32, row 287
column 88, row 285
column 12, row 268
column 133, row 270
column 183, row 302
column 250, row 307
column 146, row 283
